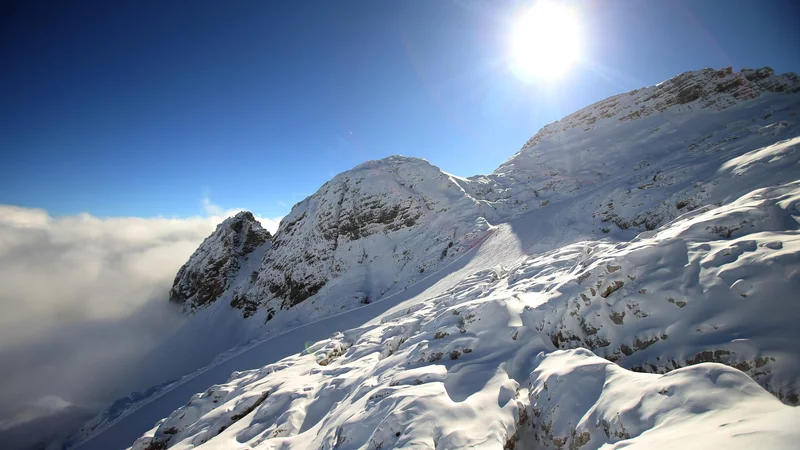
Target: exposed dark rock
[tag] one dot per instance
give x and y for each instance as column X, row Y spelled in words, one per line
column 208, row 273
column 611, row 288
column 251, row 408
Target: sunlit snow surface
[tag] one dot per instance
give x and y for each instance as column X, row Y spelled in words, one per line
column 634, row 283
column 475, row 366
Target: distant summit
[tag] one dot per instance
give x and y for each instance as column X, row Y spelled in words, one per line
column 213, row 267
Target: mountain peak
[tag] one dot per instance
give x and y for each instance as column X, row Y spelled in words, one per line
column 213, row 265
column 241, row 215
column 332, row 235
column 389, row 161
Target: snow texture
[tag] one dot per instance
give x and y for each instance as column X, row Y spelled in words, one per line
column 630, row 277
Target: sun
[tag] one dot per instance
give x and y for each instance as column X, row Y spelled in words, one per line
column 545, row 41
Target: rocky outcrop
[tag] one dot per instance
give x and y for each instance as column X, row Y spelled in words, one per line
column 214, row 265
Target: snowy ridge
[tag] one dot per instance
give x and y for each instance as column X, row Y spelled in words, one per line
column 653, row 232
column 644, row 141
column 706, row 89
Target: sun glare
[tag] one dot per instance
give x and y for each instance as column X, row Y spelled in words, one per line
column 545, row 41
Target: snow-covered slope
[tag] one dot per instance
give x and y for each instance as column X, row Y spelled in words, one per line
column 653, row 150
column 656, row 229
column 478, row 366
column 368, row 233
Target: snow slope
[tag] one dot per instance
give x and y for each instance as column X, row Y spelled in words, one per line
column 656, row 228
column 477, row 365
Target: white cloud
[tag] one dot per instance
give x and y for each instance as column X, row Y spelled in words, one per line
column 83, row 298
column 210, row 208
column 270, row 224
column 216, row 212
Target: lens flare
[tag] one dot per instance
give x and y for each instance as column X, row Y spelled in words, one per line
column 545, row 41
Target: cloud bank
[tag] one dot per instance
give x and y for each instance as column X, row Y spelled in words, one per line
column 81, row 299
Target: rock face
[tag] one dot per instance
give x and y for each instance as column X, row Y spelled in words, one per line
column 369, row 231
column 373, row 229
column 213, row 267
column 386, row 224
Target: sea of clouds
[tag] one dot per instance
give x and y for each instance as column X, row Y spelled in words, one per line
column 82, row 300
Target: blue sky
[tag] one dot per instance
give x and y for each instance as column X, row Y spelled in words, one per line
column 145, row 108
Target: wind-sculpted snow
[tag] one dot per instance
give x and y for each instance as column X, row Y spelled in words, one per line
column 479, row 365
column 578, row 400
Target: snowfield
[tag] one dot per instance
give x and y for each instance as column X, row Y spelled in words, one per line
column 629, row 278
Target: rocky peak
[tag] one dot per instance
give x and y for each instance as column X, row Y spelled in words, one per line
column 213, row 265
column 247, row 233
column 369, row 231
column 379, row 214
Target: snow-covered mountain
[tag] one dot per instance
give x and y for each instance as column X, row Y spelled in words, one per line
column 652, row 232
column 376, row 228
column 369, row 231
